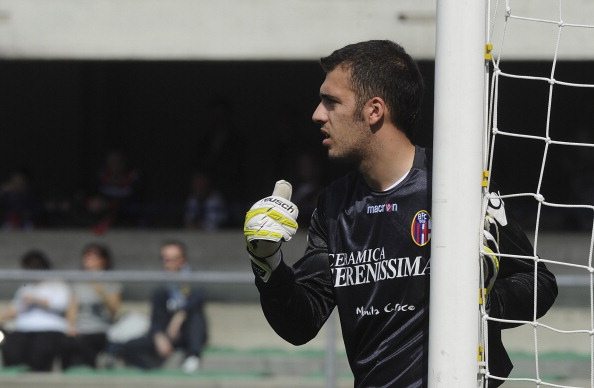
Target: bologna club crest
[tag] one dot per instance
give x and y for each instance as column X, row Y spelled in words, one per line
column 420, row 229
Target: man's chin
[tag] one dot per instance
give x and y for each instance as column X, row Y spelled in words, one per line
column 334, row 155
column 340, row 158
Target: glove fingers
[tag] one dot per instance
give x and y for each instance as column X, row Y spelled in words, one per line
column 274, row 214
column 262, row 232
column 268, row 224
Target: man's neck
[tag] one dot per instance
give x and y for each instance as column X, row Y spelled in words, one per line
column 391, row 160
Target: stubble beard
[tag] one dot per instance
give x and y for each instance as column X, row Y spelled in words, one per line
column 351, row 155
column 343, row 158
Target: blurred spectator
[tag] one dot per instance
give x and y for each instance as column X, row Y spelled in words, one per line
column 92, row 310
column 205, row 207
column 18, row 205
column 307, row 186
column 177, row 320
column 62, row 210
column 222, row 154
column 118, row 190
column 38, row 319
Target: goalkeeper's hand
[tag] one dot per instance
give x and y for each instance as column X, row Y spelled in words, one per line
column 490, row 257
column 269, row 222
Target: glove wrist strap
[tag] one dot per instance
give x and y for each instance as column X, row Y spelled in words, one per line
column 264, row 267
column 274, row 259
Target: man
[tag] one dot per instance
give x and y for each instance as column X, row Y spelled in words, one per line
column 368, row 243
column 177, row 320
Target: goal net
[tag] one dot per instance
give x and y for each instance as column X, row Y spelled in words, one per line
column 541, row 143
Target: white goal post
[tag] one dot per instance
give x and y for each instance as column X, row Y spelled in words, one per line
column 459, row 130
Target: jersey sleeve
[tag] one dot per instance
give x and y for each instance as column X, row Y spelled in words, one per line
column 513, row 296
column 298, row 300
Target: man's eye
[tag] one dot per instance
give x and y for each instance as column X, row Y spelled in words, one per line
column 329, row 101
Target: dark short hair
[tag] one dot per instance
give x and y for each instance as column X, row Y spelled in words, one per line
column 182, row 246
column 35, row 260
column 382, row 68
column 100, row 250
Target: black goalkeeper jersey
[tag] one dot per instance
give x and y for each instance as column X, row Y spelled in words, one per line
column 369, row 254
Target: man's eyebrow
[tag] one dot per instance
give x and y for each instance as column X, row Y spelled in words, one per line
column 325, row 96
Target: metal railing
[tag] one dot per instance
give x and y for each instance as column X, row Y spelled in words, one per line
column 199, row 277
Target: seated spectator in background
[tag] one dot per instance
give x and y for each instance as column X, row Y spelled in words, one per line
column 38, row 313
column 205, row 207
column 92, row 310
column 117, row 198
column 307, row 186
column 18, row 205
column 177, row 320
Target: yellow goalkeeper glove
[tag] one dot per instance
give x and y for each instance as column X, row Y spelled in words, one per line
column 268, row 223
column 490, row 257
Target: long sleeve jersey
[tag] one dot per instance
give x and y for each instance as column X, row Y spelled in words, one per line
column 368, row 254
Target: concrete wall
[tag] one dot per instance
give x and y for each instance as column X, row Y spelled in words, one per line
column 258, row 29
column 205, row 29
column 137, row 250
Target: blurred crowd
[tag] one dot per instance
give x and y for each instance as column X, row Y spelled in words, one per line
column 116, row 199
column 56, row 325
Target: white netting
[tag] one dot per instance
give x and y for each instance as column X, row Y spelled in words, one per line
column 548, row 192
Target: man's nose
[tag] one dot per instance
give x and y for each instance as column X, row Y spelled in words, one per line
column 319, row 115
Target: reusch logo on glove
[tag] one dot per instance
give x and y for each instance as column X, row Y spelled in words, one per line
column 287, row 206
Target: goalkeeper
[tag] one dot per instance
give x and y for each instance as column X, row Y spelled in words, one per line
column 368, row 249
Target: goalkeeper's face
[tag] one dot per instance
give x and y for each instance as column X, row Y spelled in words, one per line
column 345, row 132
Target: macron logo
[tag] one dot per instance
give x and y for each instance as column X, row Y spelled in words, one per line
column 384, row 208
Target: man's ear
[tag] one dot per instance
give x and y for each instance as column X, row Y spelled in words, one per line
column 376, row 110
